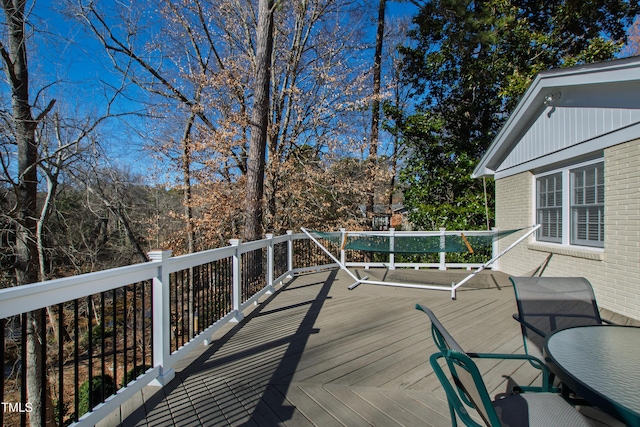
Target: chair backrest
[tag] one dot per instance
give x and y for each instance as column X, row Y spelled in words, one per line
column 445, row 343
column 469, row 385
column 442, row 338
column 547, row 304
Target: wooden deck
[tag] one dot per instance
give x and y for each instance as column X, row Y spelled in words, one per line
column 317, row 354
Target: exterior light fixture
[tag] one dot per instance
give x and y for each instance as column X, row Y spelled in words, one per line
column 550, row 98
column 549, row 101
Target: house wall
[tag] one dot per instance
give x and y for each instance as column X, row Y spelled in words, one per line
column 558, row 129
column 615, row 271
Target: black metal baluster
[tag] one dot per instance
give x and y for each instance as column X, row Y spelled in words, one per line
column 23, row 368
column 222, row 308
column 179, row 309
column 200, row 299
column 183, row 324
column 219, row 288
column 262, row 269
column 43, row 365
column 209, row 288
column 76, row 359
column 60, row 365
column 227, row 294
column 243, row 275
column 3, row 325
column 202, row 285
column 125, row 350
column 249, row 278
column 228, row 286
column 151, row 320
column 135, row 331
column 213, row 290
column 178, row 328
column 229, row 282
column 186, row 289
column 144, row 316
column 175, row 310
column 90, row 352
column 186, row 303
column 114, row 324
column 102, row 343
column 216, row 292
column 195, row 298
column 254, row 274
column 192, row 298
column 205, row 294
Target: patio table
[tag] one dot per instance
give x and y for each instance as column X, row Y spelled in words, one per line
column 602, row 365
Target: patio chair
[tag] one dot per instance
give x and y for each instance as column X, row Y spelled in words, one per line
column 526, row 409
column 547, row 304
column 445, row 342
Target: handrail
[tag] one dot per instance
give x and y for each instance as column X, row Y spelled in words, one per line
column 22, row 299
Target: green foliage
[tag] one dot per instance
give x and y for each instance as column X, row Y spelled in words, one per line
column 436, row 177
column 96, row 333
column 470, row 63
column 95, row 391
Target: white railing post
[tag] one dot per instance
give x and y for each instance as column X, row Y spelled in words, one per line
column 270, row 263
column 290, row 251
column 236, row 285
column 392, row 247
column 443, row 245
column 495, row 246
column 161, row 319
column 343, row 253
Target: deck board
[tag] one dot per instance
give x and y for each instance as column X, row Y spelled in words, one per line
column 316, row 353
column 334, row 405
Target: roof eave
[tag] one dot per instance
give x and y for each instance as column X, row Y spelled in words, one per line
column 532, row 104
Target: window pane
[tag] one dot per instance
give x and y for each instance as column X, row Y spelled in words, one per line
column 549, row 212
column 587, row 205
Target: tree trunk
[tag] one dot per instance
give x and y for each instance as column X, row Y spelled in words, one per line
column 375, row 111
column 15, row 65
column 259, row 123
column 188, row 212
column 186, row 182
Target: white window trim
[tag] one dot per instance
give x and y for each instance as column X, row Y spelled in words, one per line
column 566, row 205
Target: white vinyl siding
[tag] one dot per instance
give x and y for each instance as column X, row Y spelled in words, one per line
column 554, row 134
column 570, row 206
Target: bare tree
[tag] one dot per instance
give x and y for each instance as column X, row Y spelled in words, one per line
column 375, row 108
column 203, row 68
column 14, row 57
column 259, row 122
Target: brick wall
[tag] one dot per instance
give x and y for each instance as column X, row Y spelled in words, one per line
column 614, row 273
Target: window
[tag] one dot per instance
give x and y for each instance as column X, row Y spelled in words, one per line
column 570, row 206
column 587, row 206
column 550, row 208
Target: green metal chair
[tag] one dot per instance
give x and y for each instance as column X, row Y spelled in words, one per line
column 526, row 409
column 444, row 341
column 540, row 407
column 548, row 304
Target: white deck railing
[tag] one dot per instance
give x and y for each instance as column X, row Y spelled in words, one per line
column 280, row 259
